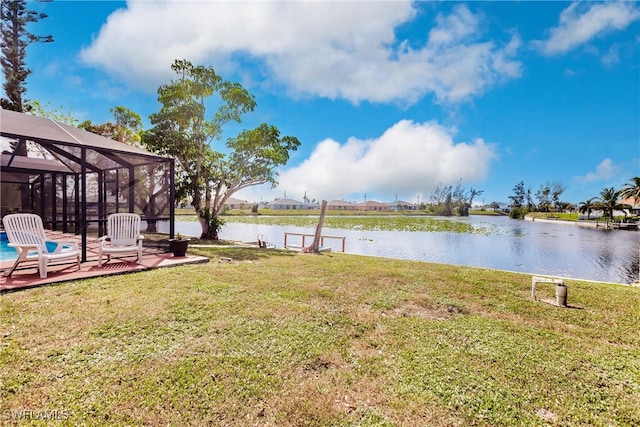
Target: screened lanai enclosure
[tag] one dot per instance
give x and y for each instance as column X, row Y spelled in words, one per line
column 74, row 179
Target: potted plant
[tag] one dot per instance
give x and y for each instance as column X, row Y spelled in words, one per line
column 178, row 245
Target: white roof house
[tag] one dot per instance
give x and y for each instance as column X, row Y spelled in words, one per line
column 233, row 203
column 290, row 204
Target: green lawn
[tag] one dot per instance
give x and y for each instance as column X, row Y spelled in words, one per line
column 268, row 337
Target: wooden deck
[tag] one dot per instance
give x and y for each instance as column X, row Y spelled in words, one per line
column 26, row 275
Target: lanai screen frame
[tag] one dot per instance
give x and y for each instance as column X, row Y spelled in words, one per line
column 66, row 152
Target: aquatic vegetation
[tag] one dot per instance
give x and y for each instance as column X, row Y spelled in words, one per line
column 371, row 223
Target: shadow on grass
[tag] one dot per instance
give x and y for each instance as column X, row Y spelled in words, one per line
column 239, row 253
column 220, row 249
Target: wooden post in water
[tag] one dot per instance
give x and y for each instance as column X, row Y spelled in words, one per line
column 315, row 246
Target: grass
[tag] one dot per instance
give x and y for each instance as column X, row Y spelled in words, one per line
column 563, row 216
column 268, row 337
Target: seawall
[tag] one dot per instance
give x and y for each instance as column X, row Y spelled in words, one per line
column 586, row 224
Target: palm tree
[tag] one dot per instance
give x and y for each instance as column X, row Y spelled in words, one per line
column 631, row 190
column 588, row 206
column 609, row 202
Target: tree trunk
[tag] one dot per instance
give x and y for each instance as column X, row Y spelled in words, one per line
column 210, row 223
column 152, row 226
column 204, row 224
column 210, row 234
column 315, row 246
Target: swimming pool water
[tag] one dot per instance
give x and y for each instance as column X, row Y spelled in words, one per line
column 7, row 253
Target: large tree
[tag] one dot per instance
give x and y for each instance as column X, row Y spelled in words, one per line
column 14, row 40
column 125, row 128
column 14, row 18
column 252, row 159
column 206, row 178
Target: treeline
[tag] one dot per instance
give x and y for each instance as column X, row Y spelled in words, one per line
column 547, row 199
column 612, row 200
column 523, row 200
column 447, row 200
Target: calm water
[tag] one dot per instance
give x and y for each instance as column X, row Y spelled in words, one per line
column 530, row 247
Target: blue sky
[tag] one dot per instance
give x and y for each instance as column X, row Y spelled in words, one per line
column 389, row 99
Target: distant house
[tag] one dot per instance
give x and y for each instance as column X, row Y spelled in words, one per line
column 634, row 203
column 500, row 207
column 402, row 206
column 232, row 203
column 371, row 206
column 341, row 205
column 291, row 204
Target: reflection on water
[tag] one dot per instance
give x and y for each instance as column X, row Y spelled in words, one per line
column 632, row 268
column 604, row 254
column 517, row 241
column 517, row 231
column 530, row 247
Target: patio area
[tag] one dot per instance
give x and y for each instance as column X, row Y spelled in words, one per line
column 26, row 275
column 74, row 180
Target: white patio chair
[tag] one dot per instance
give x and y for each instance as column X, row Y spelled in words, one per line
column 25, row 232
column 123, row 236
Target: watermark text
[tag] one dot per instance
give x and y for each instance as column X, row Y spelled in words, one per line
column 30, row 414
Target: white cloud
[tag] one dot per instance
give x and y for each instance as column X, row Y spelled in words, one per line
column 346, row 50
column 604, row 171
column 582, row 22
column 407, row 159
column 612, row 57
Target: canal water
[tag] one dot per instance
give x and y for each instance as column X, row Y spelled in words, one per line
column 554, row 249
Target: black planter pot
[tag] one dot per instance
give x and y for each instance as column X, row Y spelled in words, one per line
column 178, row 247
